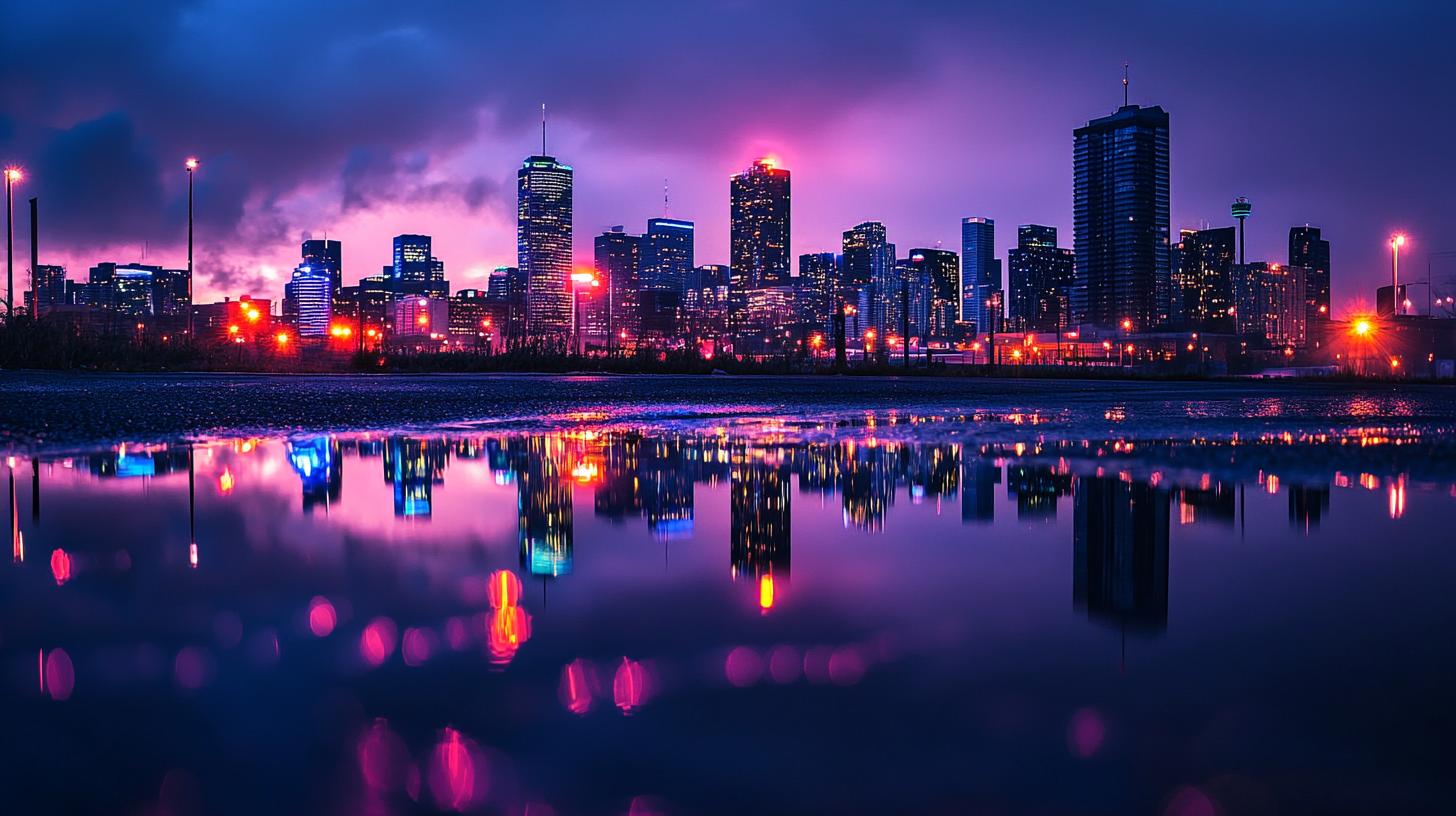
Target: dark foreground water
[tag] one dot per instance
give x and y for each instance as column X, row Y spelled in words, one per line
column 526, row 595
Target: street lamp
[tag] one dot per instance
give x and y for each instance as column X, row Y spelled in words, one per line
column 13, row 175
column 191, row 164
column 1396, row 242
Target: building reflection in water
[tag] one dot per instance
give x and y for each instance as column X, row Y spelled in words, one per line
column 758, row 505
column 978, row 490
column 320, row 469
column 1209, row 501
column 1036, row 489
column 1307, row 506
column 413, row 466
column 544, row 506
column 1120, row 552
column 1120, row 524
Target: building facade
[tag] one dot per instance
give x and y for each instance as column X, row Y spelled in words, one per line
column 980, row 273
column 1120, row 213
column 543, row 247
column 1041, row 279
column 758, row 229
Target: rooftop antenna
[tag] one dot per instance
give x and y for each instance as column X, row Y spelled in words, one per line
column 1124, row 84
column 664, row 197
column 543, row 128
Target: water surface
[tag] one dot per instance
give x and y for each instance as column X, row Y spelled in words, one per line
column 613, row 595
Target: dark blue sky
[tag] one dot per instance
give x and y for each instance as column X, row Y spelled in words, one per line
column 366, row 119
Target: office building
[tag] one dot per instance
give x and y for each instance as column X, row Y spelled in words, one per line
column 543, row 247
column 1041, row 278
column 758, row 229
column 319, row 253
column 938, row 273
column 1312, row 253
column 1121, row 220
column 980, row 274
column 1270, row 305
column 309, row 298
column 817, row 289
column 869, row 267
column 1203, row 278
column 48, row 289
column 416, row 272
column 618, row 259
column 667, row 254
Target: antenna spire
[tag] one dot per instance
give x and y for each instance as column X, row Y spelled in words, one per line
column 543, row 128
column 1124, row 84
column 664, row 197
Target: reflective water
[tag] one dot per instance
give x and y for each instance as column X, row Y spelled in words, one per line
column 771, row 616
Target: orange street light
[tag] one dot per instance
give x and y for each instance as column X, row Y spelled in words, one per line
column 282, row 338
column 1126, row 324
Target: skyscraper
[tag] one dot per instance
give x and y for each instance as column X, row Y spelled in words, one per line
column 618, row 258
column 818, row 284
column 940, row 272
column 869, row 265
column 1120, row 215
column 1270, row 304
column 543, row 246
column 759, row 228
column 667, row 257
column 1041, row 277
column 310, row 296
column 319, row 253
column 416, row 271
column 1202, row 278
column 1308, row 250
column 667, row 254
column 980, row 273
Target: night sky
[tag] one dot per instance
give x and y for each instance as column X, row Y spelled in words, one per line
column 366, row 119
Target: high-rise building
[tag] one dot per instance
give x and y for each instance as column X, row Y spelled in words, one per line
column 319, row 253
column 543, row 246
column 310, row 296
column 667, row 254
column 759, row 227
column 869, row 266
column 1041, row 277
column 1203, row 278
column 1120, row 216
column 940, row 271
column 817, row 289
column 705, row 302
column 1270, row 304
column 980, row 273
column 1311, row 252
column 618, row 257
column 416, row 271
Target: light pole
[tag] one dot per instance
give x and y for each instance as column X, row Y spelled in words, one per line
column 1396, row 242
column 192, row 164
column 12, row 177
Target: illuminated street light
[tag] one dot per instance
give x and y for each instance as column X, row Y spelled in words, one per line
column 13, row 176
column 191, row 164
column 1362, row 328
column 1396, row 242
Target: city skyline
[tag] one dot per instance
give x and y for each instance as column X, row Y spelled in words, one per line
column 80, row 139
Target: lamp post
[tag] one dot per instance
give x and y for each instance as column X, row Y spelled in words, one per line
column 12, row 177
column 191, row 164
column 1396, row 242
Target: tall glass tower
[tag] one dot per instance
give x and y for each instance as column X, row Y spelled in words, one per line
column 543, row 246
column 1120, row 215
column 980, row 274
